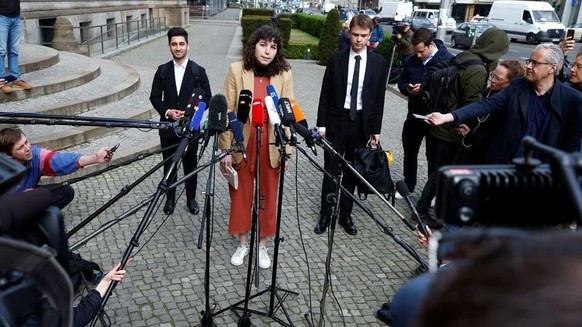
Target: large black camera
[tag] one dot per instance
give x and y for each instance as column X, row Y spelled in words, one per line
column 526, row 194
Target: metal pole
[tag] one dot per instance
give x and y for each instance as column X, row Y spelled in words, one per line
column 444, row 13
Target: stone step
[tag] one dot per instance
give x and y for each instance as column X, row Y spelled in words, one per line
column 88, row 87
column 78, row 86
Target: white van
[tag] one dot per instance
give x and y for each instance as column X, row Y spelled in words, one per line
column 327, row 6
column 530, row 21
column 433, row 16
column 394, row 11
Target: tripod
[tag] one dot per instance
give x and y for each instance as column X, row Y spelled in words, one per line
column 397, row 70
column 162, row 189
column 322, row 142
column 273, row 289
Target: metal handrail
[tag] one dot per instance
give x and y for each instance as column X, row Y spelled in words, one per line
column 115, row 35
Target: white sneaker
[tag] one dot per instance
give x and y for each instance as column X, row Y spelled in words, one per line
column 398, row 196
column 238, row 257
column 264, row 260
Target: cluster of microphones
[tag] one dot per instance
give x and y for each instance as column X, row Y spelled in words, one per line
column 281, row 112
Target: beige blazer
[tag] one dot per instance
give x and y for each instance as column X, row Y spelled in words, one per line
column 239, row 79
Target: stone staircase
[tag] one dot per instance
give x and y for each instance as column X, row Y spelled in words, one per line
column 66, row 83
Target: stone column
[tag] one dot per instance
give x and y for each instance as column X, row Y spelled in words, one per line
column 64, row 38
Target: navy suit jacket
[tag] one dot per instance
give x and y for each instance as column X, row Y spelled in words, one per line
column 164, row 94
column 334, row 88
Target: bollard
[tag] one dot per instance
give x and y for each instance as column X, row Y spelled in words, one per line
column 308, row 54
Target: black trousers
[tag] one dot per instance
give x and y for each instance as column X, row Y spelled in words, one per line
column 62, row 194
column 413, row 132
column 189, row 162
column 349, row 135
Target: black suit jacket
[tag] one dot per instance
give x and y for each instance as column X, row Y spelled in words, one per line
column 164, row 94
column 334, row 88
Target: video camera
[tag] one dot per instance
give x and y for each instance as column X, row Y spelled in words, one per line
column 33, row 249
column 524, row 194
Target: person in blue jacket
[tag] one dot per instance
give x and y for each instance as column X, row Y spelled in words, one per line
column 43, row 162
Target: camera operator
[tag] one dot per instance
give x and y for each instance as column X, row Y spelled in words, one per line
column 25, row 217
column 403, row 35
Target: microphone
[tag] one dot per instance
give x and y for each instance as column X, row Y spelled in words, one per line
column 273, row 94
column 236, row 127
column 274, row 119
column 300, row 119
column 245, row 99
column 287, row 117
column 217, row 113
column 18, row 209
column 197, row 119
column 298, row 113
column 193, row 101
column 258, row 113
column 403, row 190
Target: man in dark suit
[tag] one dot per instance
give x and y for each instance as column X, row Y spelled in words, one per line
column 349, row 116
column 172, row 88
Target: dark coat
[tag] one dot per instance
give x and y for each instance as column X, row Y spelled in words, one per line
column 414, row 72
column 564, row 130
column 164, row 94
column 334, row 88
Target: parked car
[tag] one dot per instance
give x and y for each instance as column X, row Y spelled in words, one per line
column 466, row 32
column 369, row 12
column 433, row 16
column 577, row 31
column 418, row 22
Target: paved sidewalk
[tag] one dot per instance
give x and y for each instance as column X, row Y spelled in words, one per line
column 166, row 282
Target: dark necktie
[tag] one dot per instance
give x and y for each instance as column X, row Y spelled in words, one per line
column 354, row 91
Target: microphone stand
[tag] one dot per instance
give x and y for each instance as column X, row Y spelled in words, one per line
column 245, row 319
column 335, row 198
column 162, row 189
column 206, row 319
column 273, row 289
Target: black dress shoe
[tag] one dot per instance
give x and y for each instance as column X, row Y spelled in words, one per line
column 348, row 225
column 386, row 306
column 321, row 225
column 169, row 206
column 385, row 316
column 193, row 206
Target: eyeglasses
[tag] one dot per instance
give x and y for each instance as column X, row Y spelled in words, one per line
column 494, row 77
column 536, row 63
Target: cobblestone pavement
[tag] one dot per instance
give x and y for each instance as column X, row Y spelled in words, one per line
column 166, row 281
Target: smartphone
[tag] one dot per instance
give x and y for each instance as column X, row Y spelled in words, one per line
column 570, row 34
column 113, row 149
column 423, row 117
column 9, row 78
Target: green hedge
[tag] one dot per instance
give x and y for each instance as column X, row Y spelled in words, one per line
column 254, row 18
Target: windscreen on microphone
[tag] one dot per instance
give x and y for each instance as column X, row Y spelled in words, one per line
column 288, row 119
column 18, row 209
column 245, row 100
column 235, row 127
column 274, row 118
column 193, row 101
column 217, row 113
column 304, row 132
column 197, row 119
column 298, row 114
column 273, row 94
column 402, row 188
column 258, row 112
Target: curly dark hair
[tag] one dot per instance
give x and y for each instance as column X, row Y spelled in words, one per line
column 269, row 33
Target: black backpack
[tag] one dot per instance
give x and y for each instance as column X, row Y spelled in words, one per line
column 434, row 90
